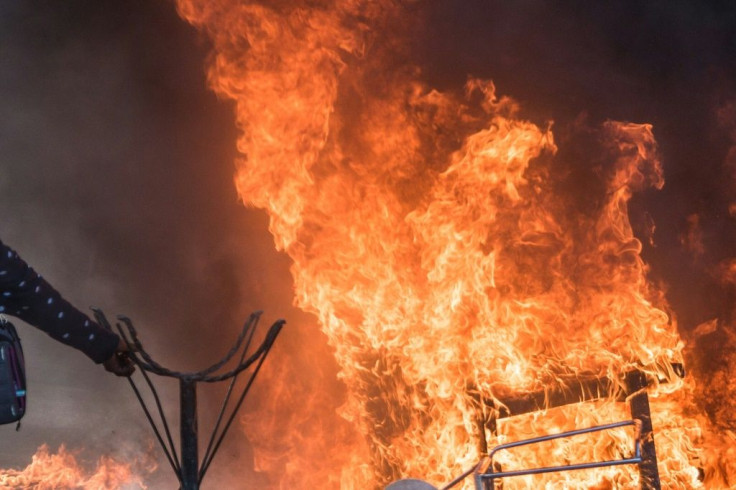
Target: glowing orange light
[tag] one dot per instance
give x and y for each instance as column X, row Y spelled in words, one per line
column 429, row 241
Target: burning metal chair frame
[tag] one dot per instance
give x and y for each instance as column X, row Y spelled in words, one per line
column 632, row 387
column 188, row 469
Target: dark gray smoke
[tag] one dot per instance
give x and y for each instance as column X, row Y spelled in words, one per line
column 116, row 169
column 116, row 184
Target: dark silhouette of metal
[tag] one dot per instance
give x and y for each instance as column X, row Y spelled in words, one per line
column 189, row 469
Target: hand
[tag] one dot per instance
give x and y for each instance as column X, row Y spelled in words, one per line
column 120, row 363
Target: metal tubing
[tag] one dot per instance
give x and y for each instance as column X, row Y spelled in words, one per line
column 208, row 454
column 173, row 462
column 561, row 435
column 162, row 416
column 246, row 389
column 188, row 422
column 557, row 469
column 481, row 474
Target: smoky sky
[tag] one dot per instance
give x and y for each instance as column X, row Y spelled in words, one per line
column 116, row 162
column 668, row 63
column 116, row 184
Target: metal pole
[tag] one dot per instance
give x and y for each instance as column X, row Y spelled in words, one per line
column 188, row 413
column 648, row 467
column 639, row 406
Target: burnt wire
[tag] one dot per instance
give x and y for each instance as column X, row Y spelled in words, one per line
column 177, row 466
column 206, row 464
column 203, row 375
column 173, row 460
column 168, row 450
column 225, row 401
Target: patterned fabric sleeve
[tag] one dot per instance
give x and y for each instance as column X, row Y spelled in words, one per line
column 26, row 295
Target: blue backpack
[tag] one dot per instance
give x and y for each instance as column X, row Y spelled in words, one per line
column 12, row 375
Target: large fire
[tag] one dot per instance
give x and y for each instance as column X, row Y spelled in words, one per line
column 437, row 242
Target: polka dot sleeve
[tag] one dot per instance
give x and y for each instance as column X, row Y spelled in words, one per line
column 26, row 295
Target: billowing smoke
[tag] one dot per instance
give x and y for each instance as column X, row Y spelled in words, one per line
column 116, row 173
column 116, row 184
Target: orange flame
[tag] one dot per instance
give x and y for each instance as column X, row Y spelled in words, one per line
column 48, row 471
column 431, row 241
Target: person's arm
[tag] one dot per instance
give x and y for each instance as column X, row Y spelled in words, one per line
column 26, row 295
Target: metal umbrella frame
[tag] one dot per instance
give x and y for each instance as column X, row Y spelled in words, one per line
column 188, row 468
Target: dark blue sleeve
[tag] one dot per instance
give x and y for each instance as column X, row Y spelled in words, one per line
column 26, row 295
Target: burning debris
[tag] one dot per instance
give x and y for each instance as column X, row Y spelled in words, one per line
column 434, row 235
column 462, row 253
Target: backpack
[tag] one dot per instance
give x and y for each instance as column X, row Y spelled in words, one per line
column 12, row 375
